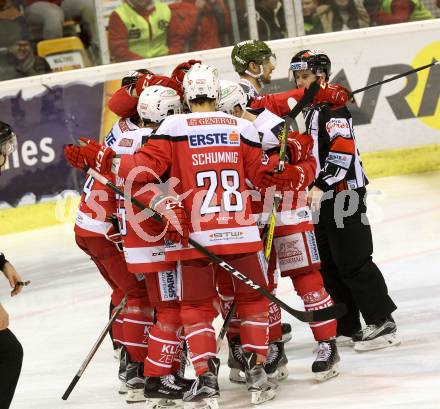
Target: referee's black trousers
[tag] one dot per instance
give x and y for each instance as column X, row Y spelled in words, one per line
column 350, row 276
column 11, row 358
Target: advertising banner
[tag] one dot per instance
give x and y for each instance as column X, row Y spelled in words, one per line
column 52, row 110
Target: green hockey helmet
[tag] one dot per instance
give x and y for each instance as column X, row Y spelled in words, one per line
column 250, row 50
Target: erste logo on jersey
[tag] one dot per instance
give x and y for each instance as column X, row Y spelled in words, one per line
column 214, row 139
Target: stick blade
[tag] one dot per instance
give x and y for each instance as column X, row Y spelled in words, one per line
column 70, row 387
column 330, row 313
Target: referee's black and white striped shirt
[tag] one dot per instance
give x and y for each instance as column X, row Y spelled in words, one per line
column 339, row 166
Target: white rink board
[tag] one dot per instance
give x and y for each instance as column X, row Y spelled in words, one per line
column 358, row 52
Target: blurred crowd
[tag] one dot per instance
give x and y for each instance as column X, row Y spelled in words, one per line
column 37, row 36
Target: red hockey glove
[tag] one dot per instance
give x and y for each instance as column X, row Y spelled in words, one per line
column 147, row 80
column 300, row 146
column 292, row 178
column 333, row 94
column 174, row 218
column 180, row 71
column 91, row 154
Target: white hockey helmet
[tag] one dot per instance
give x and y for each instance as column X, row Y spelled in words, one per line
column 231, row 95
column 157, row 102
column 201, row 81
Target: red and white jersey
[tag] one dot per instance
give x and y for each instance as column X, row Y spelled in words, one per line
column 294, row 215
column 121, row 126
column 142, row 238
column 210, row 154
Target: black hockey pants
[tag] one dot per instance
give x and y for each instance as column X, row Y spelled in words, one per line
column 11, row 358
column 350, row 276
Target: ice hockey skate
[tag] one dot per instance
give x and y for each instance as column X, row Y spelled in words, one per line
column 236, row 361
column 204, row 392
column 276, row 362
column 262, row 389
column 135, row 382
column 122, row 371
column 376, row 336
column 325, row 365
column 343, row 341
column 163, row 392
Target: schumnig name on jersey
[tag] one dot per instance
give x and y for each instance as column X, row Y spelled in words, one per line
column 199, row 159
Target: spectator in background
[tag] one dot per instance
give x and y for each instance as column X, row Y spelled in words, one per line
column 141, row 29
column 396, row 11
column 270, row 20
column 211, row 25
column 312, row 24
column 340, row 15
column 46, row 21
column 17, row 59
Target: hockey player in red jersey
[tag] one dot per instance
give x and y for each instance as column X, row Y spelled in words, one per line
column 344, row 240
column 211, row 154
column 254, row 62
column 95, row 235
column 144, row 251
column 124, row 101
column 294, row 239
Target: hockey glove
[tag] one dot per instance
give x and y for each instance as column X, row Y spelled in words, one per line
column 91, row 154
column 180, row 71
column 333, row 94
column 300, row 146
column 147, row 80
column 292, row 178
column 174, row 218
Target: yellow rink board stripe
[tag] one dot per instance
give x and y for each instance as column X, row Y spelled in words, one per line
column 377, row 164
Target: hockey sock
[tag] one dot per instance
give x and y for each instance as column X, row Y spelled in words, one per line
column 164, row 342
column 234, row 324
column 275, row 333
column 311, row 289
column 254, row 330
column 199, row 333
column 179, row 358
column 117, row 325
column 138, row 320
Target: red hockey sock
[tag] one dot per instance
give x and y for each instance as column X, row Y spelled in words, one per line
column 164, row 342
column 254, row 330
column 234, row 324
column 275, row 332
column 177, row 362
column 199, row 333
column 117, row 325
column 310, row 288
column 138, row 320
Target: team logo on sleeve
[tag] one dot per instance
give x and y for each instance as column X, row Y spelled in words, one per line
column 214, row 139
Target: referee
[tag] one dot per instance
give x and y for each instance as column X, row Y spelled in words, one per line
column 343, row 233
column 11, row 351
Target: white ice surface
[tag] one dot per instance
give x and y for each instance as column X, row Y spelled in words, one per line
column 59, row 317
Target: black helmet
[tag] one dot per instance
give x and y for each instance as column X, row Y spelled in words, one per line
column 313, row 60
column 132, row 76
column 8, row 140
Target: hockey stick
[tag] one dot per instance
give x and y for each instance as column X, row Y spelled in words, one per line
column 329, row 313
column 95, row 347
column 269, row 228
column 225, row 326
column 375, row 84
